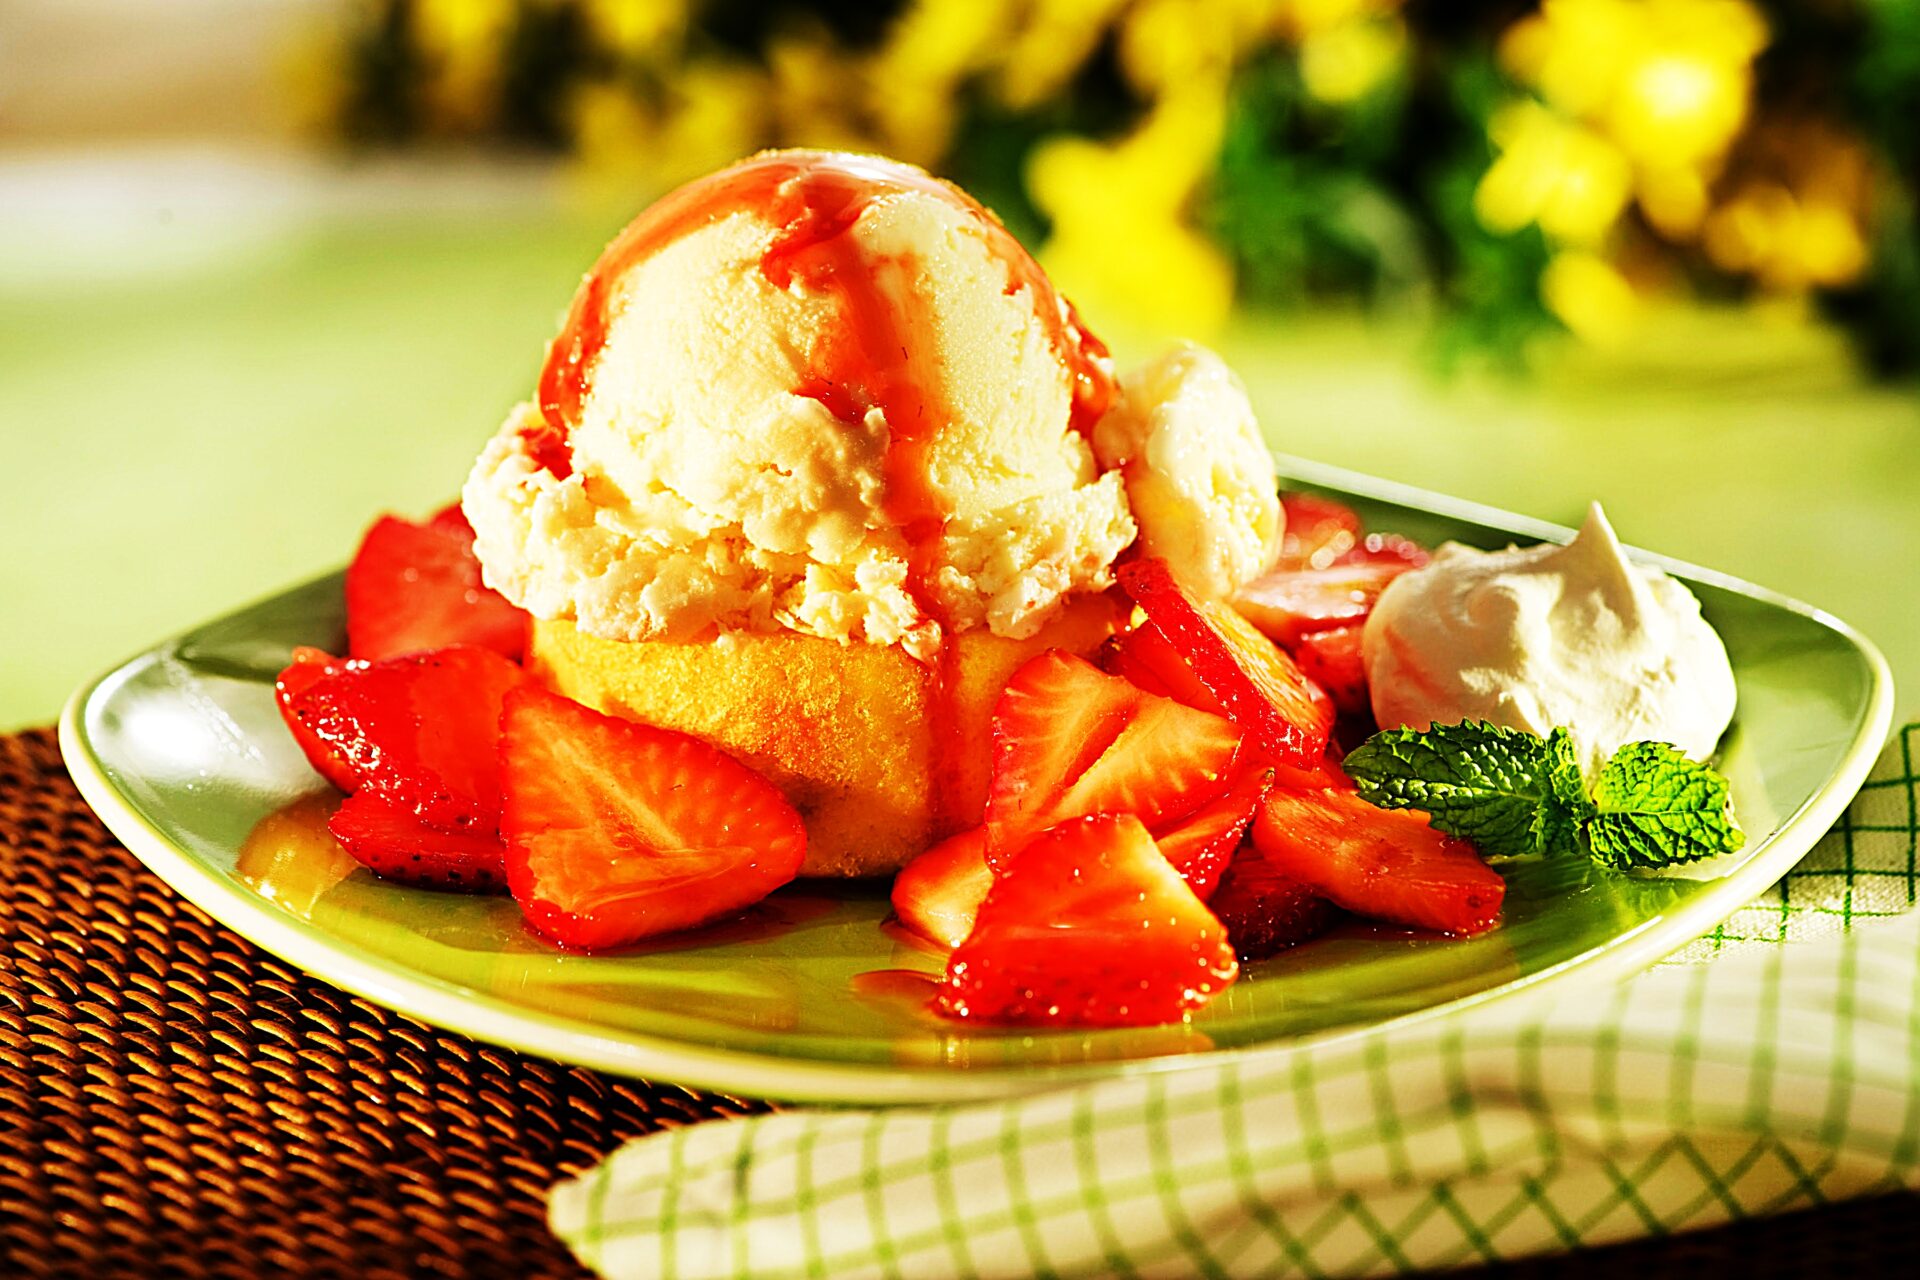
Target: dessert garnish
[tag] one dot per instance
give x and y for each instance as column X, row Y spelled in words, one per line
column 1514, row 794
column 1573, row 637
column 844, row 550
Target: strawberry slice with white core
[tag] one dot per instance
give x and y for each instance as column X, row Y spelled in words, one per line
column 1286, row 716
column 939, row 893
column 420, row 731
column 1201, row 845
column 1287, row 604
column 1089, row 927
column 397, row 846
column 1385, row 864
column 618, row 831
column 412, row 587
column 1265, row 912
column 1070, row 740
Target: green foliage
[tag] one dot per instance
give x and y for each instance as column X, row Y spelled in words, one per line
column 1513, row 795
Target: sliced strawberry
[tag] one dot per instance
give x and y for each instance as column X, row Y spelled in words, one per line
column 618, row 831
column 939, row 893
column 396, row 845
column 1264, row 911
column 1386, row 864
column 413, row 587
column 1286, row 716
column 1325, row 774
column 1070, row 740
column 421, row 731
column 1319, row 531
column 1088, row 927
column 1331, row 659
column 1387, row 548
column 308, row 666
column 1287, row 604
column 1200, row 845
column 1144, row 656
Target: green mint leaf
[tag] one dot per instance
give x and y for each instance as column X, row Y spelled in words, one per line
column 1476, row 781
column 1557, row 824
column 1653, row 807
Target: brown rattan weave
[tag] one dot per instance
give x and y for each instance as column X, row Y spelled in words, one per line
column 176, row 1102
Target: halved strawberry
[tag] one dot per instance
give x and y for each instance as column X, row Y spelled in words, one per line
column 1286, row 604
column 421, row 731
column 1331, row 659
column 1201, row 845
column 939, row 893
column 1286, row 716
column 1089, row 927
column 412, row 587
column 618, row 830
column 397, row 846
column 1070, row 740
column 1386, row 864
column 1144, row 655
column 309, row 665
column 1319, row 531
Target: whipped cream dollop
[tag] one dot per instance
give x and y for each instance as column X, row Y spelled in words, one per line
column 1538, row 638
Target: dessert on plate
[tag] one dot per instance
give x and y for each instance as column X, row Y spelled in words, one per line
column 832, row 543
column 813, row 468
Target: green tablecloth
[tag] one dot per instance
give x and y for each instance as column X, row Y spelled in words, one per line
column 180, row 440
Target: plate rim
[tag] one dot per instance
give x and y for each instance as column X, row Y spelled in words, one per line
column 760, row 1075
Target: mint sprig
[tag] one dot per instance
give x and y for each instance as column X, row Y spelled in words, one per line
column 1514, row 794
column 1479, row 782
column 1656, row 807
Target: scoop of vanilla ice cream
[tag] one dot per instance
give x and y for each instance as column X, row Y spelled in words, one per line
column 1198, row 473
column 712, row 483
column 1575, row 637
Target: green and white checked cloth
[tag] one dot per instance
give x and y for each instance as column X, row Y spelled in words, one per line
column 1774, row 1078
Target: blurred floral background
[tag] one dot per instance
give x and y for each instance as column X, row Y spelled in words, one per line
column 268, row 267
column 1505, row 169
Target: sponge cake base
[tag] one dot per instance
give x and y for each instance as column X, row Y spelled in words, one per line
column 881, row 754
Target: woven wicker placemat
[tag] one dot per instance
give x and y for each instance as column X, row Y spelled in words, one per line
column 176, row 1102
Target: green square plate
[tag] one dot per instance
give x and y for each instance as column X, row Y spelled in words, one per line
column 183, row 755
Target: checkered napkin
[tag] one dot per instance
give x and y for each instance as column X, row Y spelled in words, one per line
column 1774, row 1078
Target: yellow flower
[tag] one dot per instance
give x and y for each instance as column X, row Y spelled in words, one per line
column 1340, row 64
column 913, row 80
column 1589, row 296
column 1562, row 175
column 461, row 42
column 635, row 28
column 1786, row 241
column 1668, row 80
column 815, row 92
column 1050, row 47
column 718, row 113
column 1120, row 242
column 1165, row 43
column 1306, row 17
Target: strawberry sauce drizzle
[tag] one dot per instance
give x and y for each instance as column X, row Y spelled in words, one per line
column 880, row 355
